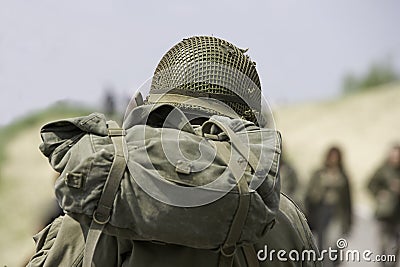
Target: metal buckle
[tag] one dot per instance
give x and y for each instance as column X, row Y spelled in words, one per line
column 100, row 218
column 116, row 132
column 228, row 254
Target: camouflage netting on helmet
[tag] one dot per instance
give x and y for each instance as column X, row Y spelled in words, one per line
column 209, row 67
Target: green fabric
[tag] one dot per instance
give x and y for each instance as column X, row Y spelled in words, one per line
column 384, row 185
column 59, row 244
column 141, row 229
column 290, row 231
column 84, row 159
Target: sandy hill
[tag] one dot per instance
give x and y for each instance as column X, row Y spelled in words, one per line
column 26, row 183
column 364, row 125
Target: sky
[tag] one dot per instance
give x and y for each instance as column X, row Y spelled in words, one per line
column 73, row 50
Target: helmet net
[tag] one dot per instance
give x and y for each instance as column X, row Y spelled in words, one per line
column 204, row 66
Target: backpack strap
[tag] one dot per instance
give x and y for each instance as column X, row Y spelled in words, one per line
column 101, row 215
column 241, row 147
column 251, row 255
column 237, row 165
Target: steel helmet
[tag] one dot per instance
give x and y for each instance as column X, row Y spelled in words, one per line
column 208, row 74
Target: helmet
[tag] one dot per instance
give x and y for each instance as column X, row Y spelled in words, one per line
column 208, row 74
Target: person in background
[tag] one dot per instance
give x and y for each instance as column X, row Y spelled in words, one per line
column 385, row 188
column 109, row 102
column 328, row 201
column 289, row 180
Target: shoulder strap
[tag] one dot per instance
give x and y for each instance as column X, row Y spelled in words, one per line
column 237, row 165
column 101, row 215
column 251, row 255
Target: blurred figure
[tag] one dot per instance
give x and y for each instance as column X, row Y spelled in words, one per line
column 289, row 180
column 111, row 106
column 385, row 187
column 328, row 201
column 109, row 103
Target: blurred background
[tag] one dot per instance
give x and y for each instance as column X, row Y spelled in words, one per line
column 330, row 70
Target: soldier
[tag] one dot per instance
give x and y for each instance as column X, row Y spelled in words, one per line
column 289, row 180
column 63, row 242
column 328, row 201
column 109, row 102
column 385, row 187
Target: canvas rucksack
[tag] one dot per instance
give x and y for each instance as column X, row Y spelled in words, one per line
column 120, row 180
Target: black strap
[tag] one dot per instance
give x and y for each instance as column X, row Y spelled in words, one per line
column 101, row 216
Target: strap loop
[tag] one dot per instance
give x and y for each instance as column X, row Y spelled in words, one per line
column 228, row 251
column 116, row 132
column 100, row 217
column 102, row 214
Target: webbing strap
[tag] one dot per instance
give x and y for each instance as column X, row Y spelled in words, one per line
column 92, row 239
column 241, row 147
column 228, row 249
column 101, row 216
column 251, row 256
column 237, row 165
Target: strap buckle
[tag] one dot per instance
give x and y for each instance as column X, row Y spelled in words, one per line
column 228, row 251
column 100, row 217
column 116, row 132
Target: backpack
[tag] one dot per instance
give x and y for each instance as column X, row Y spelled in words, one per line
column 123, row 184
column 62, row 243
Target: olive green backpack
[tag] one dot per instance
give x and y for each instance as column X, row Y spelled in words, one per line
column 161, row 179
